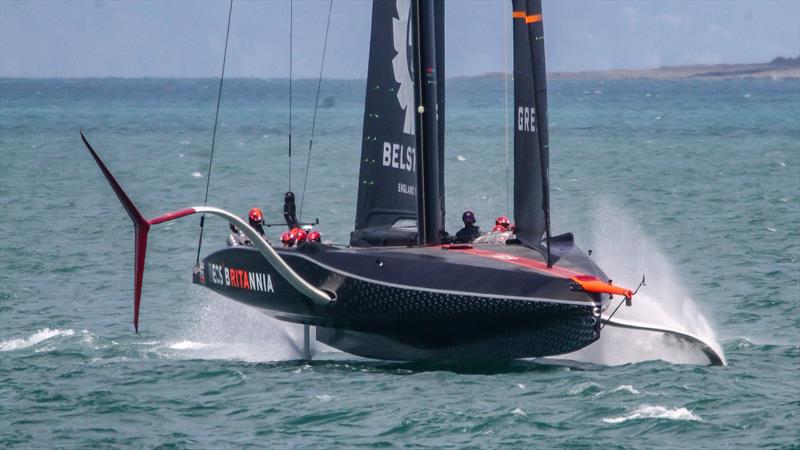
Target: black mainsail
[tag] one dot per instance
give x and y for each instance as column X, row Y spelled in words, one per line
column 386, row 211
column 531, row 159
column 401, row 179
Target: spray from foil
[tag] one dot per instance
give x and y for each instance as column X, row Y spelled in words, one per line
column 225, row 329
column 624, row 252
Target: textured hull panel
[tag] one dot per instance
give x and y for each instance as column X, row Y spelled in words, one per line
column 545, row 338
column 377, row 314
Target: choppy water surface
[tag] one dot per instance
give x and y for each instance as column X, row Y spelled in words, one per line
column 696, row 184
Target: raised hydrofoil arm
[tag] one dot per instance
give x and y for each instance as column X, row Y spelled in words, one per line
column 142, row 227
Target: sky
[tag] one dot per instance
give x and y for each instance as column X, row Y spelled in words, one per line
column 183, row 39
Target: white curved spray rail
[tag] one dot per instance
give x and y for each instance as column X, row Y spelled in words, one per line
column 316, row 295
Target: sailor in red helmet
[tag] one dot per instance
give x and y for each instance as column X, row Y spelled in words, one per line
column 298, row 235
column 502, row 224
column 256, row 219
column 286, row 239
column 314, row 236
column 502, row 231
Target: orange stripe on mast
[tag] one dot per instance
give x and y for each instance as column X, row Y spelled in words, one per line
column 534, row 18
column 518, row 14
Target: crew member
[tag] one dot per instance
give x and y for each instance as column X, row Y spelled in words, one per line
column 286, row 239
column 502, row 231
column 256, row 219
column 502, row 222
column 298, row 235
column 470, row 230
column 289, row 211
column 314, row 236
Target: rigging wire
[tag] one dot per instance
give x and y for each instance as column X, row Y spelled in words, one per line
column 291, row 38
column 624, row 300
column 214, row 133
column 505, row 104
column 612, row 315
column 316, row 106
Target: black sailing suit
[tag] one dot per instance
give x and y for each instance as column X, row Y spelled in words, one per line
column 469, row 233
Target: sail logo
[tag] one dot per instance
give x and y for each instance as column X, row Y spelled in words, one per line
column 238, row 278
column 406, row 189
column 526, row 118
column 401, row 33
column 399, row 156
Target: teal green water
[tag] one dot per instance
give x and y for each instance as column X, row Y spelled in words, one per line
column 695, row 183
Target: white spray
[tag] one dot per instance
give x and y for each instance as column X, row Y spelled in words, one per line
column 625, row 253
column 225, row 329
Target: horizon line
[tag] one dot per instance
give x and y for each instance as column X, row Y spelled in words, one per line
column 467, row 76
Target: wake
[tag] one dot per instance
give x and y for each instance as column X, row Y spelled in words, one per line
column 34, row 339
column 656, row 412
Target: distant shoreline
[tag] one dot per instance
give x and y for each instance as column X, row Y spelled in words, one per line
column 777, row 69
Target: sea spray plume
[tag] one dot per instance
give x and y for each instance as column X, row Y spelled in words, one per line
column 229, row 330
column 633, row 252
column 664, row 302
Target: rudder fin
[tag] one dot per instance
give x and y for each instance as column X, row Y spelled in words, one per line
column 141, row 227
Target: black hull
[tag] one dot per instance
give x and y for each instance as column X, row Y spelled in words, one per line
column 418, row 303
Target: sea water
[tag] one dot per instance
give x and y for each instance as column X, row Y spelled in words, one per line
column 695, row 184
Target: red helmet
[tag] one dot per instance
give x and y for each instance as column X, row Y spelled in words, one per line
column 503, row 221
column 298, row 235
column 287, row 240
column 499, row 228
column 314, row 236
column 255, row 216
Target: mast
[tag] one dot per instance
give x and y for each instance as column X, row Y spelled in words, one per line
column 536, row 36
column 429, row 204
column 440, row 73
column 531, row 147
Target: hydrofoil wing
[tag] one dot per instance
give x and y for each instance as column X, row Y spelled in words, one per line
column 710, row 349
